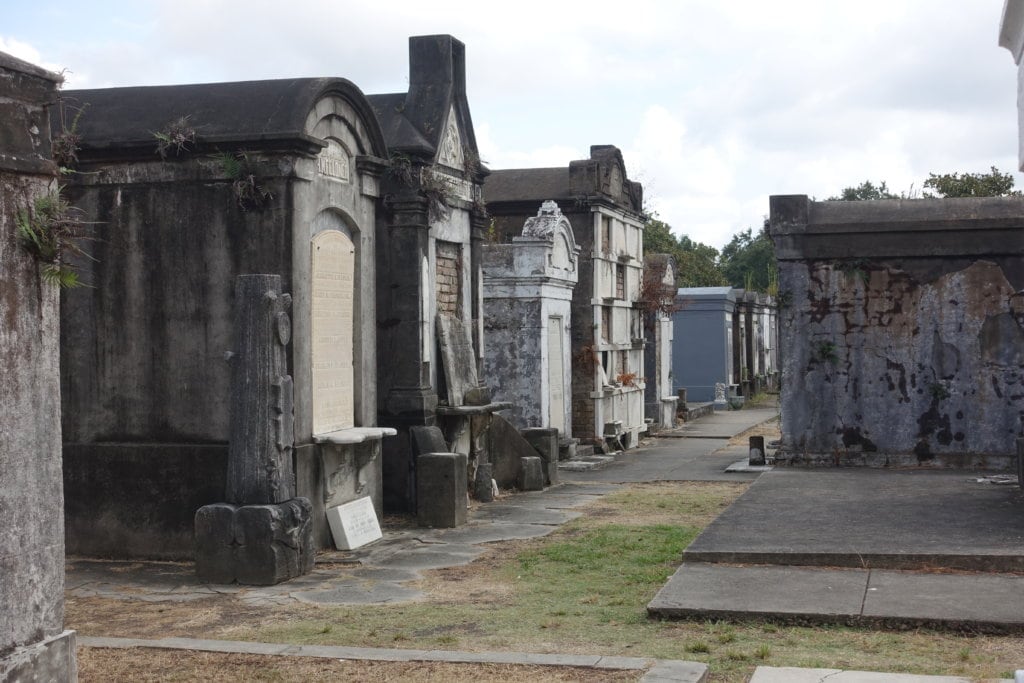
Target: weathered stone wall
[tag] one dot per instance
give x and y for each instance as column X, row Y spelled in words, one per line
column 33, row 645
column 901, row 329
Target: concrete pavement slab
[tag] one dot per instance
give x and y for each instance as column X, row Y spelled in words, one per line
column 524, row 514
column 655, row 670
column 873, row 518
column 488, row 533
column 676, row 671
column 786, row 674
column 709, row 590
column 988, row 601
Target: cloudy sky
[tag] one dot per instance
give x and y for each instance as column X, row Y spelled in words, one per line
column 716, row 105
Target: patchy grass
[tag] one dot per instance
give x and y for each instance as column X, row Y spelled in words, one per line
column 583, row 589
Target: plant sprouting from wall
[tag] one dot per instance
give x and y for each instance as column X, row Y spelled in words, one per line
column 825, row 352
column 439, row 196
column 400, row 169
column 939, row 391
column 250, row 194
column 64, row 145
column 52, row 231
column 177, row 136
column 657, row 297
column 855, row 268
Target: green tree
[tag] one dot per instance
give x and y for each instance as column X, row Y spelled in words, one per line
column 748, row 261
column 696, row 262
column 991, row 184
column 865, row 191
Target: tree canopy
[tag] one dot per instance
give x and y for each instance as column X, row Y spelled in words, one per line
column 748, row 261
column 995, row 183
column 991, row 184
column 865, row 191
column 696, row 262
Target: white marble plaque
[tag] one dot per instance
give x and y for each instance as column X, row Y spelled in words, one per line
column 332, row 273
column 354, row 524
column 333, row 161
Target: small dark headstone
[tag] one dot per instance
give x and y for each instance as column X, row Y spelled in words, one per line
column 441, row 489
column 482, row 487
column 531, row 477
column 756, row 450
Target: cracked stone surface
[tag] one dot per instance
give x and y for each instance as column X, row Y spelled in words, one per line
column 375, row 574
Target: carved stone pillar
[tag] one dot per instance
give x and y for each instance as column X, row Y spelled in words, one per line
column 263, row 535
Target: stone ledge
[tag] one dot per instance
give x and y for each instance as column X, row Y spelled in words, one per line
column 354, row 435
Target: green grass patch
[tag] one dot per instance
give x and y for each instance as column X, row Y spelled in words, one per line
column 585, row 589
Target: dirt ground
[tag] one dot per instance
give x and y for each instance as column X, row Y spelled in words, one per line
column 103, row 665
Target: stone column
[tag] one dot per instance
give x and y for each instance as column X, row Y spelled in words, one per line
column 405, row 396
column 263, row 535
column 262, row 433
column 33, row 643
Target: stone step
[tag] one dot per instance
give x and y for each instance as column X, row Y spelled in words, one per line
column 586, row 463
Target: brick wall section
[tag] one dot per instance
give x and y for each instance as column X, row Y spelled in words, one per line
column 449, row 292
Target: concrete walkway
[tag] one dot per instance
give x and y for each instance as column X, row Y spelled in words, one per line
column 649, row 670
column 899, row 548
column 382, row 573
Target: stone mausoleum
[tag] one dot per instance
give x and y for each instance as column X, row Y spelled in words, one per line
column 188, row 187
column 527, row 312
column 901, row 330
column 604, row 209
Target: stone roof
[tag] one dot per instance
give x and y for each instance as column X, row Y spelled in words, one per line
column 259, row 113
column 527, row 185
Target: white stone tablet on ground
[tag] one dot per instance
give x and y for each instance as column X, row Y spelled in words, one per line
column 354, row 524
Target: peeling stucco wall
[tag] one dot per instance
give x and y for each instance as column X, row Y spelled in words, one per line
column 901, row 330
column 33, row 644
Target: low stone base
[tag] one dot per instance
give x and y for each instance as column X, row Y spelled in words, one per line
column 258, row 545
column 531, row 476
column 51, row 659
column 441, row 489
column 545, row 441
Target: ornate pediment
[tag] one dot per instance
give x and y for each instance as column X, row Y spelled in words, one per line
column 450, row 154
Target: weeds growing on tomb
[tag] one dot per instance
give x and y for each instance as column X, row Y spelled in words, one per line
column 250, row 194
column 65, row 145
column 52, row 231
column 177, row 136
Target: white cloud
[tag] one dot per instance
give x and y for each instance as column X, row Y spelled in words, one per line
column 715, row 105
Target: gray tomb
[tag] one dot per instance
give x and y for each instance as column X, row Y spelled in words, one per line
column 702, row 354
column 145, row 420
column 528, row 287
column 263, row 535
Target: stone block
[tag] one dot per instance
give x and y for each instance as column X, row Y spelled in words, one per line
column 756, row 456
column 483, row 489
column 531, row 477
column 441, row 489
column 545, row 441
column 50, row 659
column 427, row 440
column 258, row 545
